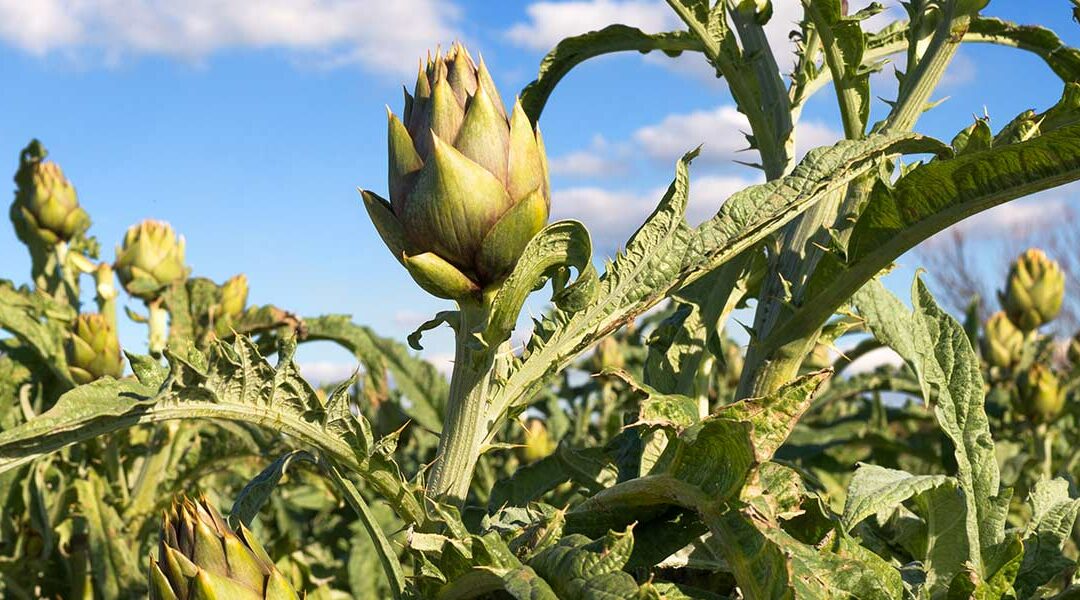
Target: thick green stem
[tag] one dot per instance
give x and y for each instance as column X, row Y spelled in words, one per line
column 464, row 426
column 1044, row 444
column 159, row 326
column 154, row 468
column 769, row 366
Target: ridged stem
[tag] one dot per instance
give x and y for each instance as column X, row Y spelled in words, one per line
column 466, row 409
column 158, row 323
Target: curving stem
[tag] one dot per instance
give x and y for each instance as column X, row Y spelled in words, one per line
column 464, row 426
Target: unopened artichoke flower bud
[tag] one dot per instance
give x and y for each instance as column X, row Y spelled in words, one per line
column 150, row 259
column 231, row 305
column 46, row 209
column 1034, row 290
column 201, row 557
column 468, row 182
column 1073, row 350
column 538, row 442
column 93, row 349
column 1003, row 343
column 234, row 293
column 607, row 355
column 1039, row 393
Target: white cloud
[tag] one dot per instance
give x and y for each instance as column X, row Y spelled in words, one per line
column 599, row 160
column 324, row 372
column 612, row 216
column 720, row 130
column 385, row 36
column 550, row 22
column 410, row 319
column 878, row 357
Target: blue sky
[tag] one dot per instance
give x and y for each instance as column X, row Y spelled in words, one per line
column 249, row 126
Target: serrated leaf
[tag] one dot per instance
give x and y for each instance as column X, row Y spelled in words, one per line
column 116, row 572
column 921, row 203
column 420, row 382
column 254, row 495
column 234, row 384
column 877, row 490
column 39, row 322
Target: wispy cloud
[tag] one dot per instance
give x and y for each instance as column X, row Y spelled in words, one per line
column 383, row 36
column 720, row 131
column 613, row 215
column 549, row 22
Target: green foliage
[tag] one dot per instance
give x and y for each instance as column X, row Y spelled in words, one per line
column 632, row 449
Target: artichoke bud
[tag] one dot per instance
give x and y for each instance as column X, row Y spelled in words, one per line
column 93, row 349
column 1003, row 343
column 1039, row 394
column 468, row 181
column 46, row 209
column 538, row 442
column 1034, row 290
column 733, row 364
column 607, row 355
column 150, row 259
column 232, row 299
column 201, row 557
column 1073, row 351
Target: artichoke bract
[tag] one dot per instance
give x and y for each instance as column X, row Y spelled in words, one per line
column 201, row 558
column 1003, row 343
column 150, row 259
column 1040, row 394
column 468, row 182
column 46, row 209
column 93, row 349
column 1034, row 290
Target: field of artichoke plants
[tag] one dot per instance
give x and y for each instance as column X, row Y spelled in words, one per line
column 632, row 448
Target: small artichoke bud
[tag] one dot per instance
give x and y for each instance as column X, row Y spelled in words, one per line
column 234, row 293
column 1034, row 290
column 733, row 363
column 1003, row 343
column 468, row 181
column 233, row 299
column 201, row 557
column 1073, row 351
column 1039, row 394
column 93, row 349
column 150, row 259
column 607, row 355
column 538, row 442
column 46, row 209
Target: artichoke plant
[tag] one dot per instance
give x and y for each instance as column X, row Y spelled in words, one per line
column 46, row 209
column 468, row 182
column 538, row 442
column 1034, row 290
column 231, row 303
column 201, row 558
column 1039, row 394
column 1003, row 343
column 93, row 349
column 150, row 259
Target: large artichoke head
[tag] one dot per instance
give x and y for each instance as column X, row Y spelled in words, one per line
column 1039, row 393
column 201, row 558
column 1034, row 290
column 468, row 182
column 93, row 349
column 46, row 209
column 1003, row 343
column 150, row 259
